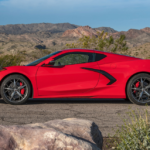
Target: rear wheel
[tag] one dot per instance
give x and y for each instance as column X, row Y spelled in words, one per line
column 138, row 89
column 15, row 89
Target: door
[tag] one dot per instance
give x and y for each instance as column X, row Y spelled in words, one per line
column 68, row 77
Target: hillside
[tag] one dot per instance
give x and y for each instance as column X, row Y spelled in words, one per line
column 141, row 51
column 26, row 38
column 79, row 32
column 134, row 37
column 106, row 29
column 31, row 28
column 18, row 29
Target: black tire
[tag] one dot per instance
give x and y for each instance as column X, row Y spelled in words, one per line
column 11, row 89
column 139, row 95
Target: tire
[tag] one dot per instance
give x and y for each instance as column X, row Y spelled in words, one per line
column 15, row 89
column 138, row 89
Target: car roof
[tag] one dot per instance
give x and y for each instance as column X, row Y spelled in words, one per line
column 101, row 52
column 85, row 50
column 76, row 49
column 82, row 49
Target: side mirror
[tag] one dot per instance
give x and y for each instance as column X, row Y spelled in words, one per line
column 51, row 63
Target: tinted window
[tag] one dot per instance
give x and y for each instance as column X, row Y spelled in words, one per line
column 99, row 56
column 34, row 63
column 74, row 58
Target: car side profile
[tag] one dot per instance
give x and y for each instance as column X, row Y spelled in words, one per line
column 78, row 73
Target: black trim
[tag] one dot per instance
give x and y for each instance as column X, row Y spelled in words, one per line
column 107, row 75
column 47, row 65
column 58, row 66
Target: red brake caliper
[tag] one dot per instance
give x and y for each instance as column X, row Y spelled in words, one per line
column 22, row 90
column 136, row 85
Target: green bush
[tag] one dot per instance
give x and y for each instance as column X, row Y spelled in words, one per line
column 11, row 60
column 134, row 135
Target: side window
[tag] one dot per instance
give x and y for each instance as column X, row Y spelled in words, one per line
column 74, row 58
column 99, row 57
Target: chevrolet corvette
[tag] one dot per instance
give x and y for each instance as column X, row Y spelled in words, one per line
column 78, row 73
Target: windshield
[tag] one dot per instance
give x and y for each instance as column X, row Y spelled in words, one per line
column 34, row 63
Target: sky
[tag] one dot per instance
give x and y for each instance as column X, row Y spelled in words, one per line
column 121, row 15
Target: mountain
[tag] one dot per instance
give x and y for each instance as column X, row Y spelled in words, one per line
column 18, row 29
column 147, row 30
column 135, row 37
column 48, row 33
column 31, row 28
column 79, row 32
column 130, row 34
column 106, row 29
column 86, row 30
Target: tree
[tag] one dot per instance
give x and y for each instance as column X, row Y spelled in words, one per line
column 102, row 42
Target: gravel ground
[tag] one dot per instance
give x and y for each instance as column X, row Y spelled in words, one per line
column 103, row 112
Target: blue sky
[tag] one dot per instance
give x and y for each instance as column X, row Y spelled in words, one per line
column 121, row 15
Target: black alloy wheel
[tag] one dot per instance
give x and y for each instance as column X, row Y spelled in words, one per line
column 15, row 89
column 138, row 89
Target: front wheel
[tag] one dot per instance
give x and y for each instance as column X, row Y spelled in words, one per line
column 15, row 89
column 138, row 89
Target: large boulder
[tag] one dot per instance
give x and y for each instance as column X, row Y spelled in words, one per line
column 67, row 134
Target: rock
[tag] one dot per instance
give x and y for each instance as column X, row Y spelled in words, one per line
column 67, row 134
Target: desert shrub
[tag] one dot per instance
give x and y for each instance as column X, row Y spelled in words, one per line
column 40, row 47
column 102, row 42
column 45, row 52
column 11, row 60
column 13, row 47
column 54, row 43
column 1, row 47
column 136, row 134
column 39, row 54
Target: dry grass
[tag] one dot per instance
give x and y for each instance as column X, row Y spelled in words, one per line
column 141, row 51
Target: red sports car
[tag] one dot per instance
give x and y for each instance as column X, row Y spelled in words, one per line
column 78, row 73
